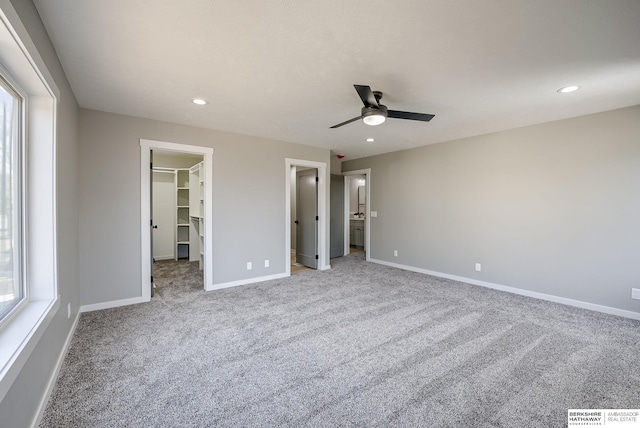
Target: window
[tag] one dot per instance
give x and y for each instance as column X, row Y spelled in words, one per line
column 29, row 298
column 11, row 284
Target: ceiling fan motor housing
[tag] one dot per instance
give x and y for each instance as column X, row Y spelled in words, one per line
column 381, row 110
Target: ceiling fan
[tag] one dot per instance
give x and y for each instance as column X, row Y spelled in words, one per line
column 373, row 113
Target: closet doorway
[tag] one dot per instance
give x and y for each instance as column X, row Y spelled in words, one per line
column 176, row 212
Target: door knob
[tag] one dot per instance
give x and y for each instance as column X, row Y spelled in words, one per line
column 155, row 227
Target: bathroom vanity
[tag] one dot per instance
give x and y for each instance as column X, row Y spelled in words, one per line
column 356, row 232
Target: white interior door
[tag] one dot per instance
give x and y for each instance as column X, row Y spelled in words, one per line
column 307, row 218
column 164, row 215
column 336, row 220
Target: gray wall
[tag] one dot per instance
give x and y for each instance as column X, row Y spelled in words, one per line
column 552, row 208
column 336, row 164
column 20, row 405
column 248, row 201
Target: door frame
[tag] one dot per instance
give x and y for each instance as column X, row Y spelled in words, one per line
column 146, row 146
column 367, row 208
column 303, row 257
column 323, row 217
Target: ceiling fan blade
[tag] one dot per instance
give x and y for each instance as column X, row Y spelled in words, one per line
column 346, row 122
column 411, row 116
column 366, row 95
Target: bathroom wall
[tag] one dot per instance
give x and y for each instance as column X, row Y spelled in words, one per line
column 354, row 182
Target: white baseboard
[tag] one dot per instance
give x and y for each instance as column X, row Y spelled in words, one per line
column 246, row 281
column 54, row 376
column 542, row 296
column 157, row 258
column 111, row 304
column 325, row 267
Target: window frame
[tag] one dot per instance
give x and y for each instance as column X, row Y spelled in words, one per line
column 21, row 334
column 8, row 83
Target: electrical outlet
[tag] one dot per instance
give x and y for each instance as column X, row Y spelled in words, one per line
column 478, row 267
column 395, row 253
column 249, row 265
column 266, row 263
column 635, row 293
column 69, row 310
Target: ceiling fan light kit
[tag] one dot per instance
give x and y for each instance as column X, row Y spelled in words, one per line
column 372, row 116
column 373, row 113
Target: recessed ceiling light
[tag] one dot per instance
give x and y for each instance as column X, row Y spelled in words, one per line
column 370, row 140
column 568, row 89
column 199, row 101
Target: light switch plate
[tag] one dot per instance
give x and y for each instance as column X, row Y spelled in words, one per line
column 374, row 213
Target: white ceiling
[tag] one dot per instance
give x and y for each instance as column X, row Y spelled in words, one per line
column 285, row 69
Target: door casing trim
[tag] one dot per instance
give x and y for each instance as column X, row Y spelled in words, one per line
column 145, row 209
column 312, row 173
column 322, row 212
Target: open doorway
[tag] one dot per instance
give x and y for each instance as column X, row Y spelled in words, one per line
column 177, row 213
column 357, row 212
column 357, row 209
column 304, row 212
column 306, row 218
column 187, row 231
